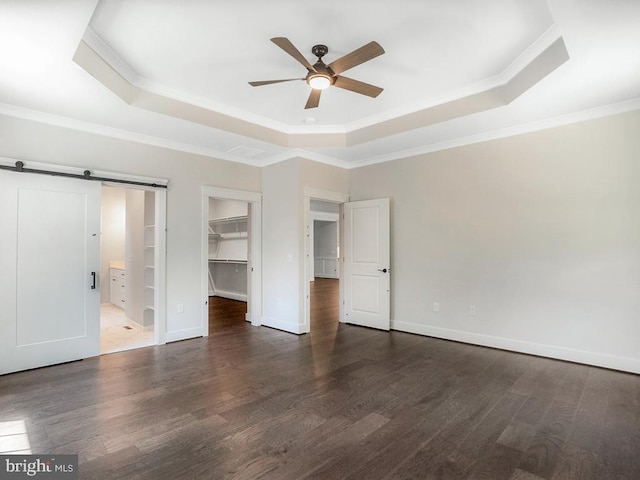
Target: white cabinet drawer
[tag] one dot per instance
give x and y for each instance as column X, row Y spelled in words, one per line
column 117, row 287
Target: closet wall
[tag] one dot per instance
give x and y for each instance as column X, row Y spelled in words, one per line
column 134, row 253
column 325, row 248
column 112, row 235
column 228, row 247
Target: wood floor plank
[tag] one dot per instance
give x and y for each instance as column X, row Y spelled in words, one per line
column 576, row 463
column 545, row 449
column 619, row 453
column 522, row 475
column 498, row 464
column 517, row 435
column 586, row 431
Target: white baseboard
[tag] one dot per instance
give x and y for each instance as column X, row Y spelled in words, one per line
column 183, row 334
column 282, row 325
column 579, row 356
column 242, row 297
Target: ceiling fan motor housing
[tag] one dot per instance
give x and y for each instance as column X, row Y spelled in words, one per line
column 319, row 50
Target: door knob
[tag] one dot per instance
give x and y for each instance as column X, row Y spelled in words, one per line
column 384, row 270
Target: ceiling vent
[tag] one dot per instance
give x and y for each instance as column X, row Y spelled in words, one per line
column 246, row 152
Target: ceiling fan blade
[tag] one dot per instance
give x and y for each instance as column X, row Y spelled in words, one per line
column 358, row 86
column 314, row 98
column 288, row 47
column 361, row 55
column 269, row 82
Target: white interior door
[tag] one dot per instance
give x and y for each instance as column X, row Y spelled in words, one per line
column 49, row 247
column 367, row 272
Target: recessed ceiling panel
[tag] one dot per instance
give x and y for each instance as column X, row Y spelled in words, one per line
column 208, row 51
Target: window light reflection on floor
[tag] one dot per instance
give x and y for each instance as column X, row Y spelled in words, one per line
column 14, row 439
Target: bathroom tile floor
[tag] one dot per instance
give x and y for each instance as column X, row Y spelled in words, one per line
column 117, row 333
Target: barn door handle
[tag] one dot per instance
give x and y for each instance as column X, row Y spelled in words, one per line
column 93, row 280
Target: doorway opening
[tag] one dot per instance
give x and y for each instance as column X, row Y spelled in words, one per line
column 128, row 269
column 231, row 257
column 228, row 253
column 323, row 291
column 325, row 279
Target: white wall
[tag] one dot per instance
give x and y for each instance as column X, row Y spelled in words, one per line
column 325, row 238
column 219, row 208
column 540, row 232
column 134, row 256
column 31, row 141
column 325, row 207
column 283, row 187
column 280, row 246
column 325, row 248
column 112, row 235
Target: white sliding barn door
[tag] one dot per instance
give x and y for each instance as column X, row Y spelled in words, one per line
column 367, row 269
column 49, row 247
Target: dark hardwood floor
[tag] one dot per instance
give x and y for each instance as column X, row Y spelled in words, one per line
column 325, row 312
column 340, row 403
column 225, row 313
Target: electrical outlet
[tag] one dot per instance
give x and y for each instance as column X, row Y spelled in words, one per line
column 181, row 308
column 436, row 307
column 472, row 309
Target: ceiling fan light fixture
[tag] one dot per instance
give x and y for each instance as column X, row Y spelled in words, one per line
column 319, row 81
column 321, row 76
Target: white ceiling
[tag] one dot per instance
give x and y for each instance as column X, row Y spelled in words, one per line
column 175, row 73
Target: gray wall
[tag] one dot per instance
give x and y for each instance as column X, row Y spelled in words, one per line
column 539, row 232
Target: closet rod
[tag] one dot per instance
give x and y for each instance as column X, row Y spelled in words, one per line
column 86, row 175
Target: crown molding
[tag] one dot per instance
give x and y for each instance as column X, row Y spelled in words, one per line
column 547, row 123
column 544, row 124
column 120, row 134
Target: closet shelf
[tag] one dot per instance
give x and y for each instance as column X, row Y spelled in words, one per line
column 230, row 235
column 218, row 221
column 228, row 248
column 226, row 260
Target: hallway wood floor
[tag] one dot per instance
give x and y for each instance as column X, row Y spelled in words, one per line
column 340, row 403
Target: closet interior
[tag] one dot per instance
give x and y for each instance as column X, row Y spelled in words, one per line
column 228, row 229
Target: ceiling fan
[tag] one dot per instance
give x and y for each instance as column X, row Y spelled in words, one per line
column 321, row 76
